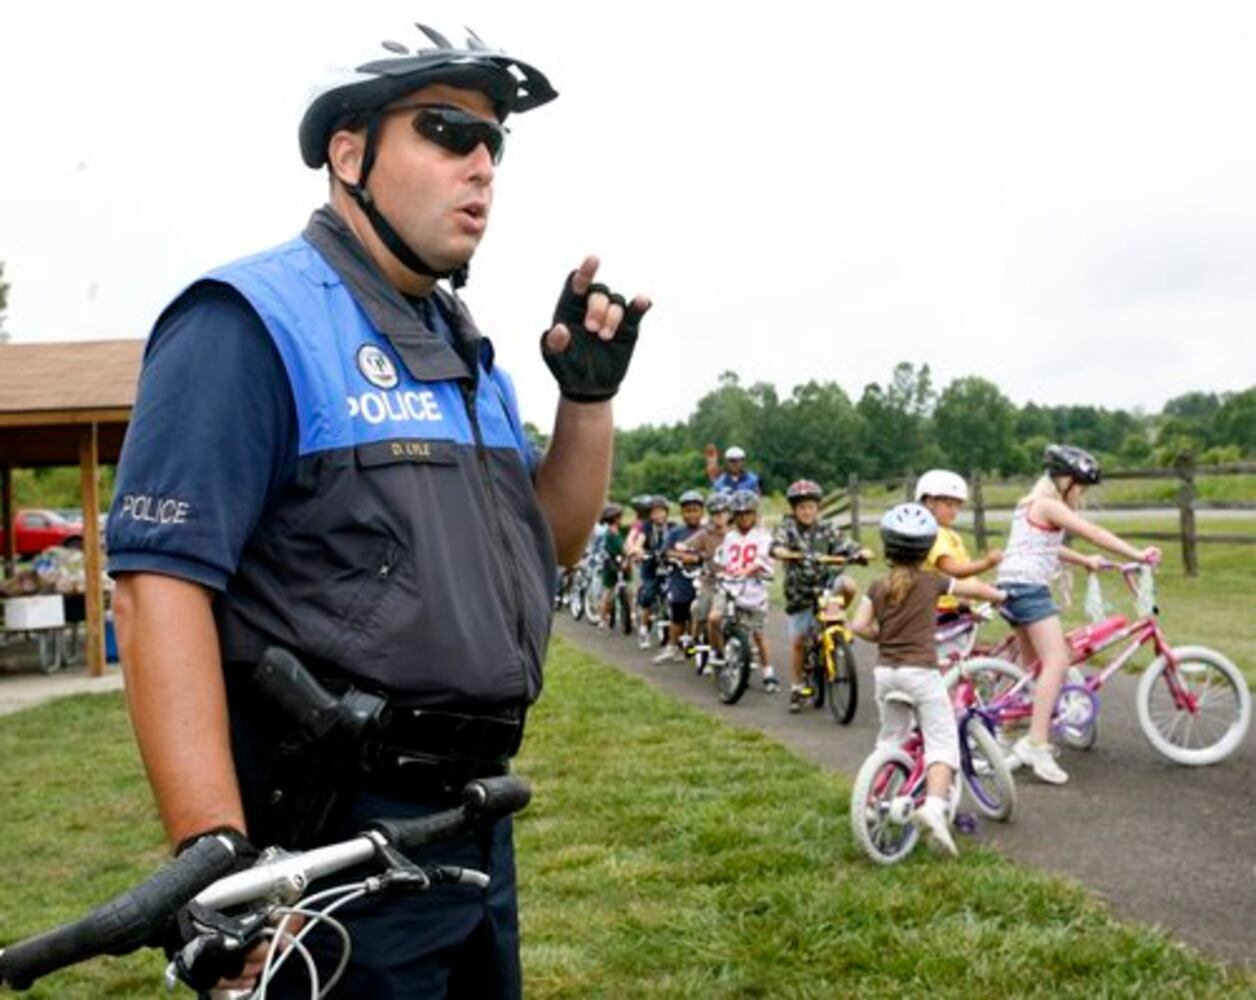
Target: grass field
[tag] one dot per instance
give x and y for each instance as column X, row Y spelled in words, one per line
column 666, row 854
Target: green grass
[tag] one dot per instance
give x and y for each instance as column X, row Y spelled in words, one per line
column 665, row 854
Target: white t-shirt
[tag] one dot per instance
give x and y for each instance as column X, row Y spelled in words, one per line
column 739, row 554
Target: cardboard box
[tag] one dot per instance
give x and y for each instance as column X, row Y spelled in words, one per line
column 44, row 611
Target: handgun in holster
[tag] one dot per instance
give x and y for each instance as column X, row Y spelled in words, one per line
column 317, row 768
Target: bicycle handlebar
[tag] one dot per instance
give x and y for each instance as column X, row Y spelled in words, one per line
column 125, row 923
column 132, row 920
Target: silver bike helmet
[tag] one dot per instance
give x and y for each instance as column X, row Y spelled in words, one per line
column 908, row 532
column 717, row 502
column 356, row 96
column 744, row 501
column 691, row 497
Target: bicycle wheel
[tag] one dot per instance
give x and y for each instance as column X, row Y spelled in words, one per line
column 813, row 676
column 624, row 600
column 880, row 807
column 993, row 678
column 842, row 683
column 990, row 783
column 575, row 601
column 1197, row 712
column 733, row 674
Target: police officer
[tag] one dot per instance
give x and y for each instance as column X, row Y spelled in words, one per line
column 353, row 485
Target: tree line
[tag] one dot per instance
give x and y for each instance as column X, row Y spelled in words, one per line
column 820, row 432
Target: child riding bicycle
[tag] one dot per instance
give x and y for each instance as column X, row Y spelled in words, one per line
column 800, row 538
column 944, row 493
column 680, row 578
column 898, row 614
column 1035, row 547
column 746, row 553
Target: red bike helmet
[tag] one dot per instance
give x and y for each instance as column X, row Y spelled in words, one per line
column 803, row 489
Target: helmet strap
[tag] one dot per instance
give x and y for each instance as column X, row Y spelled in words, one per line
column 383, row 228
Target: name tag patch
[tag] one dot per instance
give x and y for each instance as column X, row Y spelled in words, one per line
column 415, row 451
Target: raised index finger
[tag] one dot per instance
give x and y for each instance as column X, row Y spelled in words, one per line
column 583, row 278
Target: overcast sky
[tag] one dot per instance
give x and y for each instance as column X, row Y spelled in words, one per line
column 1059, row 197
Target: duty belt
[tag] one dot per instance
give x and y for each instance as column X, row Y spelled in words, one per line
column 432, row 734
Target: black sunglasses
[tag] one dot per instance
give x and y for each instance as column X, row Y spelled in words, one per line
column 456, row 130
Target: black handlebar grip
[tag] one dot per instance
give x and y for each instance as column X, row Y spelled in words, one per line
column 125, row 923
column 486, row 799
column 490, row 798
column 284, row 679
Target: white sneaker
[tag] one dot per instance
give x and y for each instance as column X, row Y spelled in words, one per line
column 643, row 637
column 668, row 655
column 1041, row 760
column 936, row 824
column 770, row 684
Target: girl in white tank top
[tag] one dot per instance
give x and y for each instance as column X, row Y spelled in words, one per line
column 1034, row 550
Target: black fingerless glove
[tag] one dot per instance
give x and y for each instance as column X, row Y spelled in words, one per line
column 590, row 369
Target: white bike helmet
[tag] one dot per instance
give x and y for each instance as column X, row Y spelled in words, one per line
column 941, row 483
column 735, row 454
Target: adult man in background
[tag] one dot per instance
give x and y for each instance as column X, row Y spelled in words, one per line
column 355, row 487
column 735, row 475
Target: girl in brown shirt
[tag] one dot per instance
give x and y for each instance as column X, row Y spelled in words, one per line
column 898, row 613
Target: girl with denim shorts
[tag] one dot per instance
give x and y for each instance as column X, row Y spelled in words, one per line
column 898, row 614
column 1035, row 547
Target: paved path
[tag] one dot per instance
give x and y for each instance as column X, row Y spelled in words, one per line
column 22, row 684
column 1163, row 844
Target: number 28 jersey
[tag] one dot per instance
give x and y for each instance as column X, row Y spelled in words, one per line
column 744, row 553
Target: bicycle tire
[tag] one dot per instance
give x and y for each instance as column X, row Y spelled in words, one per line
column 1222, row 689
column 993, row 677
column 733, row 675
column 842, row 683
column 51, row 649
column 575, row 602
column 813, row 676
column 986, row 774
column 625, row 610
column 882, row 777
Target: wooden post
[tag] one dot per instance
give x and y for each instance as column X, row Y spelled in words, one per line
column 9, row 566
column 979, row 511
column 852, row 490
column 1186, row 513
column 95, row 597
column 909, row 486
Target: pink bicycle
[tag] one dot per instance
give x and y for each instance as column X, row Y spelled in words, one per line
column 1193, row 703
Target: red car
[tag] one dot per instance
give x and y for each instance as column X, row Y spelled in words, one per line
column 37, row 530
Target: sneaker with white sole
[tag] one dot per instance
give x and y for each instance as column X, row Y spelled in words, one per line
column 1041, row 760
column 643, row 637
column 935, row 823
column 795, row 698
column 669, row 655
column 770, row 684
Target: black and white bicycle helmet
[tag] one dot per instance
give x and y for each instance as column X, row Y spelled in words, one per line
column 1066, row 460
column 641, row 504
column 658, row 500
column 356, row 95
column 743, row 501
column 691, row 497
column 717, row 502
column 611, row 512
column 803, row 489
column 908, row 532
